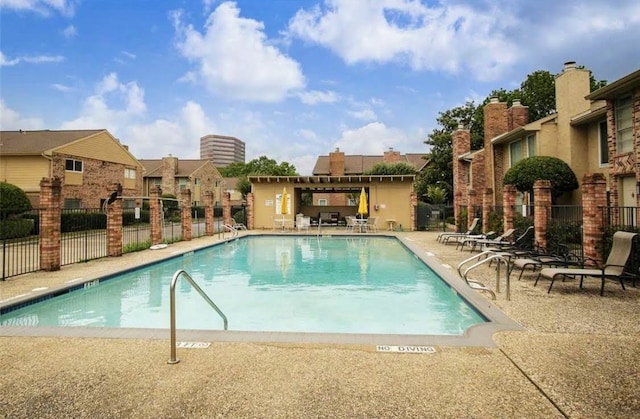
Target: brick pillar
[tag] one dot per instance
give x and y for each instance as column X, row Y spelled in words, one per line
column 414, row 208
column 542, row 202
column 461, row 144
column 509, row 204
column 209, row 202
column 487, row 205
column 226, row 208
column 185, row 213
column 114, row 223
column 473, row 196
column 155, row 215
column 458, row 206
column 249, row 209
column 51, row 205
column 496, row 122
column 594, row 197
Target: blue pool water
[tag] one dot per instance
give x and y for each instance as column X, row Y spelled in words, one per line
column 273, row 283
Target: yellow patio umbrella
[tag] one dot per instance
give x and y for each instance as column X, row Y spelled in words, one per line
column 284, row 202
column 363, row 208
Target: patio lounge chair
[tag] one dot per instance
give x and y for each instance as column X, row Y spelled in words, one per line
column 444, row 237
column 503, row 239
column 613, row 268
column 236, row 225
column 539, row 259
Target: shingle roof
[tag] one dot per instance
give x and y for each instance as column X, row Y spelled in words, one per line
column 153, row 167
column 37, row 142
column 358, row 163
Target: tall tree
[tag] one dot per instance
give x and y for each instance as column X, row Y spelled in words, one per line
column 263, row 165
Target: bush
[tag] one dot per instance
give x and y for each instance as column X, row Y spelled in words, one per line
column 13, row 200
column 527, row 171
column 12, row 229
column 80, row 221
column 129, row 217
column 241, row 216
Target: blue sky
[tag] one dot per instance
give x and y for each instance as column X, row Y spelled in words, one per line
column 294, row 79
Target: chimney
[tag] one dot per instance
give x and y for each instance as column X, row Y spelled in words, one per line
column 518, row 115
column 496, row 122
column 391, row 156
column 336, row 163
column 169, row 171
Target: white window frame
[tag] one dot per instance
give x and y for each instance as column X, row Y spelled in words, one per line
column 624, row 124
column 323, row 202
column 511, row 145
column 352, row 202
column 129, row 173
column 75, row 163
column 603, row 144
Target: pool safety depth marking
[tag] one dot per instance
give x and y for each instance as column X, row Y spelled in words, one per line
column 406, row 349
column 193, row 345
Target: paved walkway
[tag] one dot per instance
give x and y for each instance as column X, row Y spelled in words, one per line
column 578, row 357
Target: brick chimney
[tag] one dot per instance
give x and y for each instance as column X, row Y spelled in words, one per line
column 336, row 163
column 169, row 171
column 391, row 156
column 496, row 122
column 518, row 115
column 461, row 141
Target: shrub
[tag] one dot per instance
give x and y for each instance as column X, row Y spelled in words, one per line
column 527, row 171
column 13, row 200
column 12, row 229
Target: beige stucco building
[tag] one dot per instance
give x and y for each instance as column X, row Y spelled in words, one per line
column 88, row 163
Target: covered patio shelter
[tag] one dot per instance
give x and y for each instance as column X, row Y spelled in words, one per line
column 390, row 198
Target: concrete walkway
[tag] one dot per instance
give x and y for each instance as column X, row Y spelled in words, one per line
column 578, row 357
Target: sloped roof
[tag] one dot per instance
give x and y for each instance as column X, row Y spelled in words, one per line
column 38, row 142
column 357, row 164
column 229, row 182
column 153, row 167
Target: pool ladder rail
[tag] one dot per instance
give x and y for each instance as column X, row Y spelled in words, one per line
column 232, row 229
column 182, row 273
column 489, row 256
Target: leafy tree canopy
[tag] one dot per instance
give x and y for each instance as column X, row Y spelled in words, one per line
column 401, row 168
column 13, row 200
column 525, row 173
column 260, row 166
column 244, row 186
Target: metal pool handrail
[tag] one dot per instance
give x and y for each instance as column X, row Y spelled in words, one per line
column 174, row 281
column 490, row 256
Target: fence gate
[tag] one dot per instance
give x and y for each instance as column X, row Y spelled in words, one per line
column 84, row 235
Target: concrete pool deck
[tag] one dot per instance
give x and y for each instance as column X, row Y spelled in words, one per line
column 576, row 357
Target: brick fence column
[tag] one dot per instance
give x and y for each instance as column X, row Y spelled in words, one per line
column 51, row 210
column 209, row 201
column 155, row 215
column 509, row 204
column 226, row 208
column 594, row 198
column 414, row 208
column 487, row 203
column 458, row 206
column 185, row 214
column 114, row 223
column 250, row 203
column 542, row 214
column 471, row 206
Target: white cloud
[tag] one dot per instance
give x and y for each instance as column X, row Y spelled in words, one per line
column 235, row 59
column 41, row 7
column 364, row 115
column 444, row 37
column 114, row 104
column 11, row 120
column 70, row 31
column 37, row 59
column 372, row 139
column 61, row 87
column 313, row 97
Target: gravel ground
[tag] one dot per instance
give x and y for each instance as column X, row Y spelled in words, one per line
column 578, row 357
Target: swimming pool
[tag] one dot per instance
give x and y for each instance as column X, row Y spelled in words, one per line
column 361, row 285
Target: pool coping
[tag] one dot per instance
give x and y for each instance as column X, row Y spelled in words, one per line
column 478, row 335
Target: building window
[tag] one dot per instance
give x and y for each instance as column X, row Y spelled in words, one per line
column 515, row 152
column 72, row 165
column 129, row 203
column 603, row 142
column 71, row 204
column 352, row 202
column 129, row 173
column 624, row 126
column 157, row 181
column 322, row 202
column 531, row 145
column 196, row 181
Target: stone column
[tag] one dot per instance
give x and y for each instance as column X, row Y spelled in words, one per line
column 185, row 213
column 226, row 208
column 487, row 206
column 594, row 199
column 155, row 215
column 250, row 204
column 414, row 208
column 209, row 202
column 509, row 204
column 542, row 202
column 471, row 206
column 114, row 223
column 50, row 219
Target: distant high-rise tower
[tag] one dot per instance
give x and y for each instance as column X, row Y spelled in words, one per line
column 221, row 149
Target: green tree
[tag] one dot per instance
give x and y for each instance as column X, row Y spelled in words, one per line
column 244, row 186
column 260, row 166
column 400, row 168
column 436, row 194
column 525, row 173
column 13, row 200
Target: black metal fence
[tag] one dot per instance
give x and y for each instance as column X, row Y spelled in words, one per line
column 20, row 241
column 564, row 229
column 84, row 235
column 622, row 219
